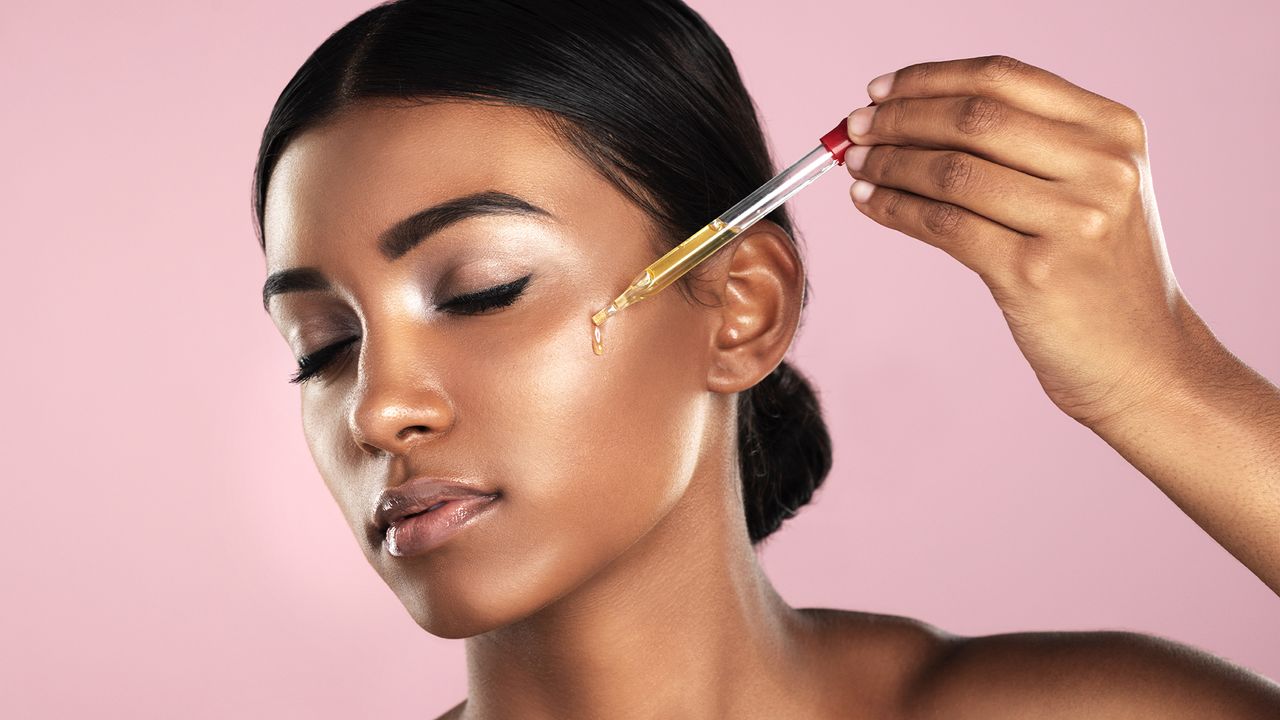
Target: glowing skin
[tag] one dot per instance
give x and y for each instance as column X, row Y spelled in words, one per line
column 624, row 578
column 505, row 397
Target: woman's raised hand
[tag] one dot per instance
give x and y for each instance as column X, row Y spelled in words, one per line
column 1043, row 189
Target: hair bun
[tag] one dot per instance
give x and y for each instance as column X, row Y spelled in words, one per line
column 784, row 448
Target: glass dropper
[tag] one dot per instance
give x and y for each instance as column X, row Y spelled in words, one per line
column 731, row 223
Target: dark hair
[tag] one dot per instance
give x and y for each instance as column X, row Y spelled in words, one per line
column 646, row 92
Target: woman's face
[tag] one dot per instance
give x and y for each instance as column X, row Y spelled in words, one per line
column 586, row 453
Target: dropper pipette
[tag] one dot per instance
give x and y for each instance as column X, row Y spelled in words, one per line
column 731, row 223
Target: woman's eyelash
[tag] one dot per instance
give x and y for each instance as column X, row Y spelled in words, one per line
column 499, row 296
column 315, row 364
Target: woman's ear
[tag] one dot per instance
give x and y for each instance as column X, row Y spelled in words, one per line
column 760, row 288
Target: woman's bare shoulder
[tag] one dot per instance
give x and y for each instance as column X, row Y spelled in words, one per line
column 870, row 660
column 907, row 669
column 1075, row 675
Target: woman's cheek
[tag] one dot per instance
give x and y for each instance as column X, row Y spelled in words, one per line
column 603, row 444
column 338, row 459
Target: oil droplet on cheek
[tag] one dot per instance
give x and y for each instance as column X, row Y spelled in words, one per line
column 641, row 287
column 597, row 340
column 597, row 328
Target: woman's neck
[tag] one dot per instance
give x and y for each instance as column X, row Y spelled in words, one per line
column 682, row 624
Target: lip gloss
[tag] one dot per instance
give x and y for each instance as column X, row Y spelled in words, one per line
column 418, row 534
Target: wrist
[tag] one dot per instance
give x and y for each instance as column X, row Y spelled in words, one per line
column 1189, row 377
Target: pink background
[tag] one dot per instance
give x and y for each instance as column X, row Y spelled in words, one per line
column 169, row 543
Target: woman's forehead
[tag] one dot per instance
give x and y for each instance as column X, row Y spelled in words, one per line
column 375, row 164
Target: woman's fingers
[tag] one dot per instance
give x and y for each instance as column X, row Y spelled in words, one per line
column 983, row 245
column 959, row 178
column 984, row 126
column 1011, row 81
column 1044, row 190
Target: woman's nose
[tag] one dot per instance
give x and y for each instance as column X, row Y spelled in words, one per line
column 399, row 401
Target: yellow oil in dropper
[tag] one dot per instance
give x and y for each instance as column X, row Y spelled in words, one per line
column 664, row 271
column 714, row 235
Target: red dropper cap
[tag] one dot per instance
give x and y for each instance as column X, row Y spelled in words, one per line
column 837, row 141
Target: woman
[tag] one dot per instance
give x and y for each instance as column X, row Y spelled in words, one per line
column 446, row 192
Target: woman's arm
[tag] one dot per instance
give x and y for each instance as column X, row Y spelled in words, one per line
column 1044, row 190
column 1208, row 435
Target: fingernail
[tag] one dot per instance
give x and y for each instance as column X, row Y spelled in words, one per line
column 856, row 156
column 861, row 190
column 879, row 88
column 860, row 120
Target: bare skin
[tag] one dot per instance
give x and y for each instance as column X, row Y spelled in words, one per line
column 614, row 576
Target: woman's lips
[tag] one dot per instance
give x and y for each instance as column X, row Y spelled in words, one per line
column 417, row 534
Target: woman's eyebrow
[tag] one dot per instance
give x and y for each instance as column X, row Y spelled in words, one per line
column 406, row 234
column 395, row 242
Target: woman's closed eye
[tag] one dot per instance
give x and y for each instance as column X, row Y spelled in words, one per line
column 317, row 363
column 478, row 302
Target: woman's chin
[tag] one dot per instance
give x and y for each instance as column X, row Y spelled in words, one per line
column 456, row 626
column 456, row 620
column 461, row 605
